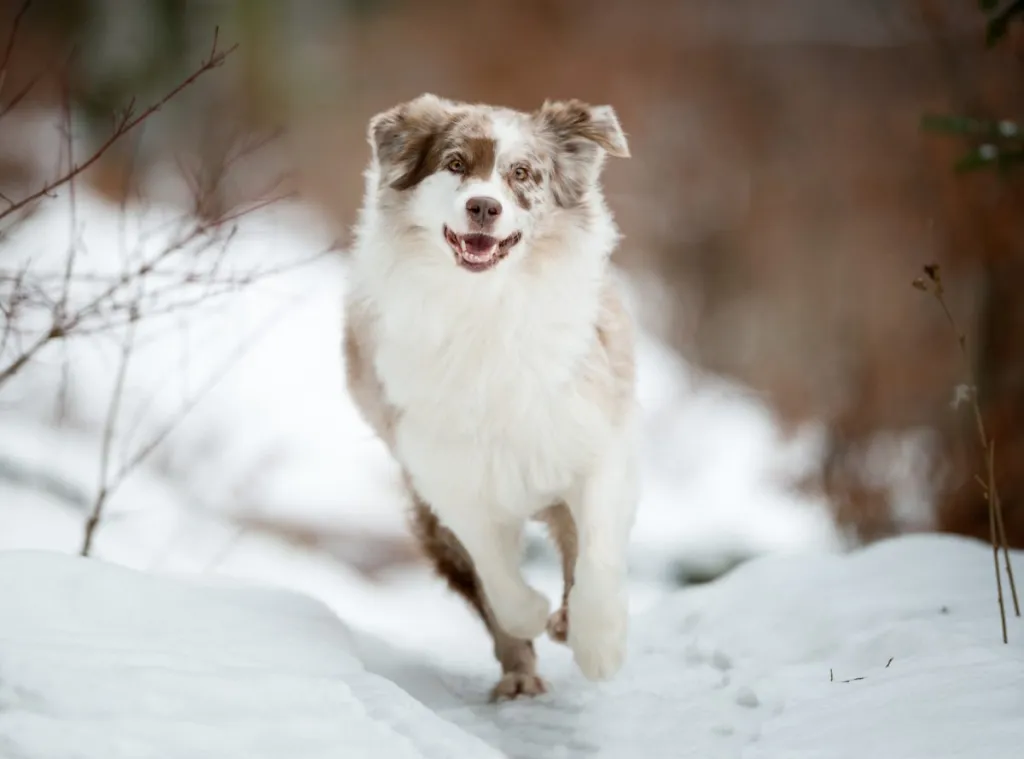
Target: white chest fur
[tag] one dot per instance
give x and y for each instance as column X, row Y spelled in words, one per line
column 483, row 370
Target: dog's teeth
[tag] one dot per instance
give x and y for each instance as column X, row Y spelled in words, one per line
column 462, row 242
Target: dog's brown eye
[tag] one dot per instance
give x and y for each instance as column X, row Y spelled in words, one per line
column 521, row 173
column 456, row 166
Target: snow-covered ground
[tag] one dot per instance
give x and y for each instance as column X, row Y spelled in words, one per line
column 105, row 662
column 892, row 651
column 191, row 666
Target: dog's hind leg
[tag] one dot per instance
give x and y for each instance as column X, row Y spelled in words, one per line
column 451, row 560
column 562, row 528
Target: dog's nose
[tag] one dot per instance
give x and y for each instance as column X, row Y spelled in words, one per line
column 483, row 211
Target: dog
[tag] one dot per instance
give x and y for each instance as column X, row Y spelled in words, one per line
column 487, row 343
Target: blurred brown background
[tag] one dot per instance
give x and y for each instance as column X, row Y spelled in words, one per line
column 780, row 199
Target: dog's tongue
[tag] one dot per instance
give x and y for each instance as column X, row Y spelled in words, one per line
column 478, row 245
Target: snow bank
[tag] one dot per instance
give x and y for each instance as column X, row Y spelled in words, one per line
column 893, row 651
column 99, row 661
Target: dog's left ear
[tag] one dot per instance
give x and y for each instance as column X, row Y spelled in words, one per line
column 570, row 121
column 580, row 136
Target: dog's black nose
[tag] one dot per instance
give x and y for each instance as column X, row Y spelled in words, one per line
column 483, row 211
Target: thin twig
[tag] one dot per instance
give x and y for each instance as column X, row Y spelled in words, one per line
column 13, row 305
column 9, row 48
column 994, row 537
column 932, row 283
column 255, row 206
column 106, row 304
column 1001, row 533
column 113, row 412
column 109, row 484
column 60, row 328
column 16, row 100
column 28, row 354
column 69, row 265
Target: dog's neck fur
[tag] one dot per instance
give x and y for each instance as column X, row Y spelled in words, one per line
column 474, row 349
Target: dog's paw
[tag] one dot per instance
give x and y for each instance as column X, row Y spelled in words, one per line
column 522, row 615
column 515, row 684
column 597, row 635
column 558, row 625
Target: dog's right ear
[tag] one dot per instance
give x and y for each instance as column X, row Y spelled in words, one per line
column 392, row 132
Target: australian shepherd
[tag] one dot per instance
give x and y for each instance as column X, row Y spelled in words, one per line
column 487, row 344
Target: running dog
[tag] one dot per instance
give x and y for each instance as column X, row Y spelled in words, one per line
column 486, row 342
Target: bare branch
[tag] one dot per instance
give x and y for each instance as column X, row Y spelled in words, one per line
column 62, row 326
column 73, row 240
column 994, row 536
column 252, row 207
column 188, row 266
column 19, row 96
column 109, row 484
column 29, row 353
column 122, row 126
column 9, row 48
column 932, row 283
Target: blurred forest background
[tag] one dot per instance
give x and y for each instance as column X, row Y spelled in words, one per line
column 780, row 200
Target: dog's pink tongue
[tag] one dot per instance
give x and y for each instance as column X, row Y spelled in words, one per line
column 479, row 245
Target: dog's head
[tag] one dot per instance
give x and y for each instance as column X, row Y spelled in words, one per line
column 481, row 182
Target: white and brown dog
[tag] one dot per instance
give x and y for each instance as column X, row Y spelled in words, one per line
column 487, row 344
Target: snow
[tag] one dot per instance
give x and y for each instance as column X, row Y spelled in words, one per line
column 889, row 651
column 768, row 663
column 100, row 661
column 195, row 634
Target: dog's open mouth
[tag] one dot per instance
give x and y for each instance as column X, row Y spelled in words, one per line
column 479, row 252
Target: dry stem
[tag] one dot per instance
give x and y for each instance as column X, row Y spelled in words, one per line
column 932, row 283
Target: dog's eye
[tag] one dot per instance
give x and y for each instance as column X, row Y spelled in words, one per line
column 521, row 173
column 456, row 166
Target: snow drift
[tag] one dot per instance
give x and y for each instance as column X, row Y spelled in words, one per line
column 892, row 651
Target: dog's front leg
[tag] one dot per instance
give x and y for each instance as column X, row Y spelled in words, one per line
column 494, row 546
column 604, row 509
